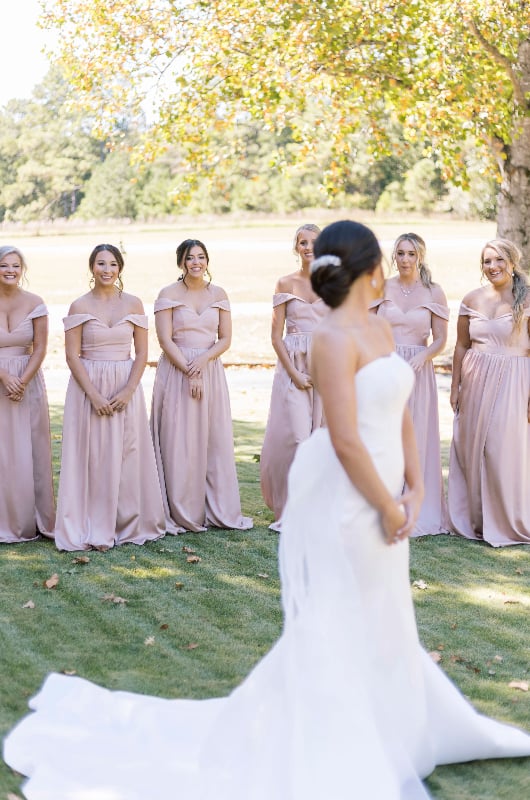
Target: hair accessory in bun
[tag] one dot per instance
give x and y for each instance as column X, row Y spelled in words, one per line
column 325, row 261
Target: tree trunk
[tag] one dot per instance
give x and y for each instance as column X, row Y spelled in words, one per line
column 513, row 218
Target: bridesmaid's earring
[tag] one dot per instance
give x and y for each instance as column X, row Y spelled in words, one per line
column 91, row 283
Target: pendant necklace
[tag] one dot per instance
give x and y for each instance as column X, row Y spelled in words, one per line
column 407, row 291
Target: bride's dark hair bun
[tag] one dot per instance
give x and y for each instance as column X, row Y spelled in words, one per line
column 343, row 251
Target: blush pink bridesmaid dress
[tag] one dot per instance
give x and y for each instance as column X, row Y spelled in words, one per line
column 294, row 413
column 27, row 505
column 411, row 331
column 108, row 489
column 489, row 466
column 193, row 438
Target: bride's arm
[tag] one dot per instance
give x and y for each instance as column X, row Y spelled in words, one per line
column 334, row 363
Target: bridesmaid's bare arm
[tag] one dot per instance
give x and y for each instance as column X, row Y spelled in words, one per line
column 300, row 380
column 164, row 332
column 40, row 343
column 72, row 344
column 463, row 343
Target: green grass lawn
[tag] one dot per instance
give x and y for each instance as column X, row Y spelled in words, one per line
column 195, row 629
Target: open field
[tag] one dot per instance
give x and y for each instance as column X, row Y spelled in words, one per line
column 246, row 258
column 473, row 610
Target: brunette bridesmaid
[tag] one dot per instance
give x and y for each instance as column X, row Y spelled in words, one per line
column 295, row 407
column 417, row 310
column 191, row 421
column 489, row 467
column 108, row 491
column 26, row 493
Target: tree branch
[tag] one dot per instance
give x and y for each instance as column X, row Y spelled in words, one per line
column 500, row 59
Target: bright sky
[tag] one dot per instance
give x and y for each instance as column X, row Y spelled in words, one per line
column 23, row 63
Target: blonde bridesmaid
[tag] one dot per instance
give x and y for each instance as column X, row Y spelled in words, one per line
column 417, row 310
column 108, row 491
column 489, row 466
column 26, row 493
column 295, row 407
column 191, row 422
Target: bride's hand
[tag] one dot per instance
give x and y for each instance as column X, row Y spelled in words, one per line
column 394, row 520
column 411, row 501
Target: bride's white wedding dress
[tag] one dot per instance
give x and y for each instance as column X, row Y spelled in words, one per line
column 346, row 704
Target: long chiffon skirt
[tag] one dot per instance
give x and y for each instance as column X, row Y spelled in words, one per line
column 194, row 447
column 423, row 405
column 27, row 505
column 108, row 490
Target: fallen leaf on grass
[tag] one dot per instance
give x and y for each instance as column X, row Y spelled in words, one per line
column 187, row 549
column 29, row 604
column 436, row 657
column 179, row 585
column 498, row 658
column 150, row 640
column 81, row 560
column 419, row 584
column 521, row 685
column 113, row 598
column 193, row 559
column 69, row 672
column 51, row 582
column 164, row 626
column 519, row 571
column 190, row 646
column 262, row 575
column 512, row 602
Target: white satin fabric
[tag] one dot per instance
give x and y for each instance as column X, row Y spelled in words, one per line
column 346, row 704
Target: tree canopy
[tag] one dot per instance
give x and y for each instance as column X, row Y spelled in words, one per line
column 450, row 72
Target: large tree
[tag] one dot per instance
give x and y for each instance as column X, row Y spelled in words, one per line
column 450, row 71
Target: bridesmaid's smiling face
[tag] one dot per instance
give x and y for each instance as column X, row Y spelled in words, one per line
column 496, row 268
column 10, row 270
column 195, row 263
column 105, row 269
column 304, row 245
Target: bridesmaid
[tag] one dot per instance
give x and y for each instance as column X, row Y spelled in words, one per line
column 295, row 407
column 27, row 505
column 108, row 491
column 417, row 311
column 191, row 422
column 490, row 453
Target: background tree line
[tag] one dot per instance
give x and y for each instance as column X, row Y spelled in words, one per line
column 53, row 165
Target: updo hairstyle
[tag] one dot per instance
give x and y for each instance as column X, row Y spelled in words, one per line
column 182, row 252
column 116, row 252
column 354, row 250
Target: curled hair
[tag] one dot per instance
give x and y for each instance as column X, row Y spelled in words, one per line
column 420, row 249
column 116, row 252
column 8, row 250
column 357, row 251
column 182, row 253
column 520, row 286
column 309, row 226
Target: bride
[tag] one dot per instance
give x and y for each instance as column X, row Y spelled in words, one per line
column 346, row 704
